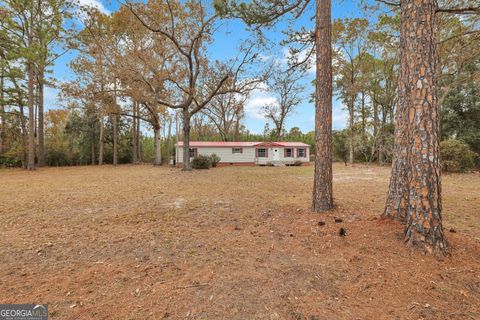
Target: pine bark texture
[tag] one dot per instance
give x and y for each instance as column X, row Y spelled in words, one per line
column 169, row 140
column 100, row 143
column 24, row 137
column 31, row 108
column 134, row 134
column 415, row 187
column 186, row 141
column 158, row 146
column 2, row 114
column 115, row 139
column 322, row 184
column 351, row 137
column 115, row 121
column 40, row 118
column 92, row 146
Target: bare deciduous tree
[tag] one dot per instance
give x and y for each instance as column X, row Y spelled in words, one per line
column 188, row 28
column 288, row 93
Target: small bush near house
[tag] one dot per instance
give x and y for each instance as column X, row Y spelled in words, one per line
column 201, row 162
column 214, row 160
column 297, row 163
column 456, row 156
column 269, row 164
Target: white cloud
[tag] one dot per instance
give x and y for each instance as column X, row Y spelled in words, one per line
column 50, row 98
column 340, row 116
column 94, row 4
column 257, row 99
column 253, row 108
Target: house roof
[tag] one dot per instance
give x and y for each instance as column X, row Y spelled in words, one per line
column 232, row 144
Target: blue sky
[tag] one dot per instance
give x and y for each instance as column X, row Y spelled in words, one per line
column 224, row 47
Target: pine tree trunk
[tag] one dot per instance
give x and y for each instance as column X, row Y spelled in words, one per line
column 364, row 123
column 100, row 143
column 381, row 140
column 397, row 197
column 115, row 138
column 351, row 137
column 23, row 126
column 139, row 136
column 2, row 114
column 158, row 145
column 417, row 157
column 31, row 109
column 134, row 134
column 376, row 136
column 115, row 125
column 92, row 150
column 186, row 141
column 322, row 183
column 177, row 136
column 169, row 140
column 41, row 124
column 424, row 217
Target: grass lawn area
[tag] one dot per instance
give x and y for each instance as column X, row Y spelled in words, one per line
column 144, row 242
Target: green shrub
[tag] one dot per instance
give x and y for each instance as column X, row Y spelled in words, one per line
column 214, row 160
column 13, row 157
column 297, row 163
column 10, row 162
column 56, row 157
column 201, row 162
column 456, row 156
column 340, row 146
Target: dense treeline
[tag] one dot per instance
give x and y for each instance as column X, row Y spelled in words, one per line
column 117, row 100
column 133, row 72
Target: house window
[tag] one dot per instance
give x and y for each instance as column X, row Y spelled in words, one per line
column 288, row 152
column 301, row 152
column 262, row 153
column 237, row 150
column 192, row 152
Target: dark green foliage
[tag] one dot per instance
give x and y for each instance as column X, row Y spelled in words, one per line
column 214, row 160
column 10, row 162
column 201, row 162
column 56, row 157
column 340, row 145
column 461, row 113
column 456, row 156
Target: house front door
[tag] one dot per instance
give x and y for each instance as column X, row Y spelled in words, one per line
column 276, row 154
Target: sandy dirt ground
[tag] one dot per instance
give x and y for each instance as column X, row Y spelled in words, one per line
column 140, row 242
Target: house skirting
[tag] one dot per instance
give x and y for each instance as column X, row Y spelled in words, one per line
column 242, row 164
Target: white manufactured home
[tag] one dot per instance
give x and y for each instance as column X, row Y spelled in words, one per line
column 248, row 153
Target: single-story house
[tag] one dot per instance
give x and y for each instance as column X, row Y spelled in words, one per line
column 248, row 153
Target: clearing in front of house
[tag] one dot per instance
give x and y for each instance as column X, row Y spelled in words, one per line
column 140, row 242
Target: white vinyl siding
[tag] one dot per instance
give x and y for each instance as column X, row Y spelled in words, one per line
column 248, row 155
column 225, row 154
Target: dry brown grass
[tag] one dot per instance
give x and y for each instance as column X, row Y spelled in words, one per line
column 138, row 242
